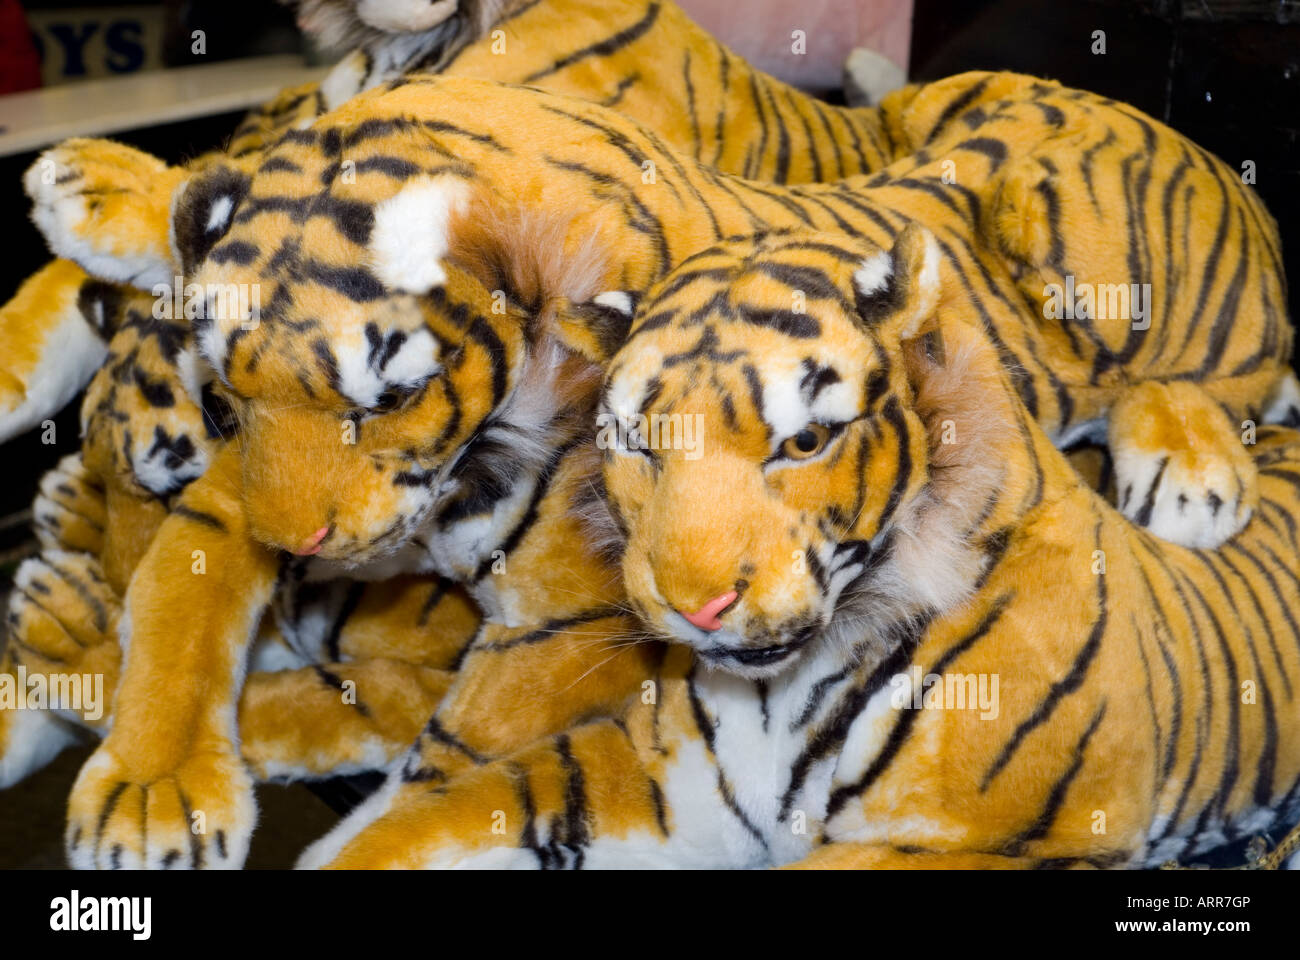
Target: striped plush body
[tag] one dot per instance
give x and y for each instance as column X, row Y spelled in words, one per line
column 938, row 647
column 416, row 389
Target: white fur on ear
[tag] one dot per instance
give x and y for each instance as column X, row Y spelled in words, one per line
column 404, row 16
column 871, row 277
column 409, row 238
column 876, row 272
column 616, row 300
column 925, row 295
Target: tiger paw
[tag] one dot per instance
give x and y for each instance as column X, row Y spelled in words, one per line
column 63, row 619
column 69, row 513
column 1181, row 469
column 107, row 207
column 144, row 424
column 198, row 816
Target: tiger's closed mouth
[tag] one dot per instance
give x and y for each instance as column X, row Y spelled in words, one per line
column 759, row 656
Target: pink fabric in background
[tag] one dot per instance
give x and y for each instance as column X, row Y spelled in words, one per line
column 760, row 30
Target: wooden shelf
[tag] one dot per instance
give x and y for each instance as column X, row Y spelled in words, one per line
column 96, row 108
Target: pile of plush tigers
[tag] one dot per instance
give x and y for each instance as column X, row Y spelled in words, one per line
column 647, row 464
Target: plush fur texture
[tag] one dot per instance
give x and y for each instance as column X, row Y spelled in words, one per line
column 438, row 389
column 1143, row 711
column 150, row 416
column 609, row 51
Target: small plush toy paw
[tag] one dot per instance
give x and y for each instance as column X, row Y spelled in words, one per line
column 1181, row 468
column 143, row 421
column 68, row 513
column 62, row 625
column 106, row 206
column 127, row 816
column 61, row 613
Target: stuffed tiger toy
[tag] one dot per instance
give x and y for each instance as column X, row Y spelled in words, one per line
column 146, row 434
column 151, row 427
column 709, row 103
column 383, row 323
column 340, row 683
column 905, row 634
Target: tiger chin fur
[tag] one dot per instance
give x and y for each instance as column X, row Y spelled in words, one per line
column 1120, row 733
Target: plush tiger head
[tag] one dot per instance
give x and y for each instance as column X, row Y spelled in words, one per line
column 388, row 340
column 774, row 455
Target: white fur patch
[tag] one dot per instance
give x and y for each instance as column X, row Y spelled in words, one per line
column 871, row 277
column 343, row 81
column 616, row 300
column 1286, row 403
column 70, row 354
column 328, row 847
column 362, row 380
column 410, row 235
column 783, row 404
column 404, row 16
column 926, row 296
column 29, row 739
column 219, row 214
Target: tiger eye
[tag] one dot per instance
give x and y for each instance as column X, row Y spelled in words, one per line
column 808, row 442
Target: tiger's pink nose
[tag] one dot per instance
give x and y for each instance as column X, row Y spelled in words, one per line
column 706, row 618
column 312, row 544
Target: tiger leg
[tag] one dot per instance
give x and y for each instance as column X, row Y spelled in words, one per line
column 50, row 656
column 514, row 687
column 167, row 786
column 108, row 207
column 860, row 856
column 582, row 798
column 400, row 643
column 52, row 346
column 335, row 719
column 313, row 721
column 1181, row 468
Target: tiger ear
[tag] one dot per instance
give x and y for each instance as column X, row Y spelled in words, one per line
column 897, row 291
column 413, row 232
column 596, row 328
column 202, row 211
